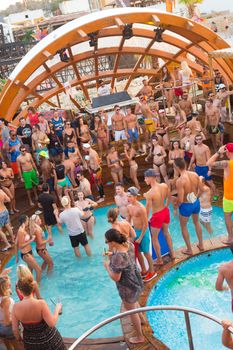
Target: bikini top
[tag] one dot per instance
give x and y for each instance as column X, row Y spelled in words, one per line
column 27, row 238
column 68, row 138
column 113, row 161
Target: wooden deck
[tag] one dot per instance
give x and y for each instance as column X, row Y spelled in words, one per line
column 119, row 343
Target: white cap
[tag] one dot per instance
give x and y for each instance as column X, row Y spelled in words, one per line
column 221, row 86
column 65, row 201
column 86, row 145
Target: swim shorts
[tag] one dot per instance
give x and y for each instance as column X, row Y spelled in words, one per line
column 205, row 214
column 150, row 125
column 187, row 155
column 161, row 217
column 4, row 218
column 144, row 246
column 63, row 183
column 81, row 238
column 30, row 179
column 203, row 171
column 227, row 205
column 213, row 130
column 133, row 134
column 120, row 135
column 188, row 209
column 14, row 167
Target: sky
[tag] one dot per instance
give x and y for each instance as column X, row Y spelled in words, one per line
column 215, row 5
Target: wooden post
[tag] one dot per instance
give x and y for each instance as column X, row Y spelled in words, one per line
column 169, row 5
column 211, row 73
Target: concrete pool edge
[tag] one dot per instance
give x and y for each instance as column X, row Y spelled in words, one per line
column 210, row 245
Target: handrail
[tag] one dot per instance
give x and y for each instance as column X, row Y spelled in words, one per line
column 185, row 310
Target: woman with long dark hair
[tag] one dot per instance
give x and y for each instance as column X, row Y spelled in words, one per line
column 167, row 82
column 121, row 267
column 82, row 131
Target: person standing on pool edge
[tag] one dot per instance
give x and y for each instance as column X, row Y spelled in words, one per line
column 188, row 186
column 158, row 198
column 71, row 218
column 137, row 216
column 227, row 166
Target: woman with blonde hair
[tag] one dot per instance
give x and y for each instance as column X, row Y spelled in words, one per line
column 23, row 272
column 35, row 229
column 121, row 225
column 6, row 305
column 186, row 75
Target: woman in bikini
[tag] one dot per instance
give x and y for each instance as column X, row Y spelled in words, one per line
column 180, row 119
column 175, row 152
column 61, row 182
column 158, row 153
column 83, row 132
column 167, row 82
column 161, row 130
column 35, row 229
column 101, row 131
column 7, row 185
column 69, row 139
column 115, row 165
column 23, row 273
column 24, row 241
column 87, row 205
column 130, row 154
column 123, row 226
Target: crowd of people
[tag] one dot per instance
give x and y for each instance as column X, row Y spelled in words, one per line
column 60, row 163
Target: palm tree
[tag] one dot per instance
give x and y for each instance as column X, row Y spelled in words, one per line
column 190, row 4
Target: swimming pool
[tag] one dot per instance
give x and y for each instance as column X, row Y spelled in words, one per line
column 83, row 285
column 191, row 284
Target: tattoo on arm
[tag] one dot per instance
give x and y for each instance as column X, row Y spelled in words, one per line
column 222, row 164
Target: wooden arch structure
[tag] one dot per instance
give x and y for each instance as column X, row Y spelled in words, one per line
column 181, row 36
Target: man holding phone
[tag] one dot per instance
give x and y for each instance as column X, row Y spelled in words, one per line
column 227, row 166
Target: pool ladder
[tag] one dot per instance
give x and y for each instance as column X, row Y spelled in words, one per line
column 186, row 311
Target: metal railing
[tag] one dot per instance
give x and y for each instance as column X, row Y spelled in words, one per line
column 186, row 311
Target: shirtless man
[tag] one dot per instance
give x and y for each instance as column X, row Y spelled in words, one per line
column 225, row 273
column 201, row 154
column 132, row 129
column 188, row 186
column 140, row 119
column 69, row 165
column 138, row 218
column 5, row 221
column 146, row 90
column 148, row 119
column 227, row 166
column 84, row 186
column 48, row 173
column 28, row 173
column 212, row 121
column 121, row 200
column 39, row 142
column 95, row 170
column 118, row 125
column 158, row 199
column 187, row 143
column 195, row 126
column 186, row 105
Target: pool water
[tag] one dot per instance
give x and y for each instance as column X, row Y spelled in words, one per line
column 83, row 286
column 191, row 284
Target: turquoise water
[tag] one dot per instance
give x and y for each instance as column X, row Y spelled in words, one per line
column 87, row 293
column 191, row 284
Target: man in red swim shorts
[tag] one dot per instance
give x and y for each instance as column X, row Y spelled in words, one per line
column 158, row 199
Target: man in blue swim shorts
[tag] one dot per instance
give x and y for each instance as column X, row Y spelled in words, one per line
column 132, row 128
column 138, row 216
column 188, row 185
column 201, row 154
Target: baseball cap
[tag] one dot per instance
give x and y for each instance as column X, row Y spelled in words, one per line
column 44, row 154
column 161, row 111
column 229, row 147
column 86, row 146
column 134, row 191
column 222, row 86
column 150, row 173
column 65, row 201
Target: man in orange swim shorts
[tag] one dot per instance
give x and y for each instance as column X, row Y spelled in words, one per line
column 158, row 199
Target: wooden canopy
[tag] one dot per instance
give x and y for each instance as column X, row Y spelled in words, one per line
column 181, row 36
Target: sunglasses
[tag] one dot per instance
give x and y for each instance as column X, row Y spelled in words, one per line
column 198, row 139
column 118, row 110
column 23, row 150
